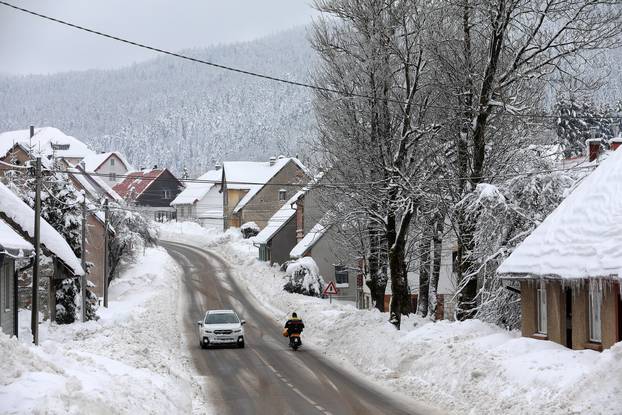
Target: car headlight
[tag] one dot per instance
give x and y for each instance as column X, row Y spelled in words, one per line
column 237, row 331
column 208, row 331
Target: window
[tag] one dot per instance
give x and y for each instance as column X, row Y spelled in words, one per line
column 595, row 302
column 541, row 307
column 7, row 272
column 112, row 176
column 181, row 212
column 167, row 194
column 112, row 162
column 282, row 195
column 341, row 276
column 60, row 146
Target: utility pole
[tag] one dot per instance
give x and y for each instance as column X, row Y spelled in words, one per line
column 34, row 322
column 106, row 253
column 83, row 255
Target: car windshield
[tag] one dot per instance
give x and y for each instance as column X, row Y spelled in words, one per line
column 221, row 318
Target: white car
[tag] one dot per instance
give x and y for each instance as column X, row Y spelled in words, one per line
column 221, row 327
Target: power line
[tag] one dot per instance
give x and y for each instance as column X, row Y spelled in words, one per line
column 577, row 167
column 270, row 77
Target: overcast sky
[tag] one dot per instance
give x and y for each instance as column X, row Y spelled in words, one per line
column 29, row 44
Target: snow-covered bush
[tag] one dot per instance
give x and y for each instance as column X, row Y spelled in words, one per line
column 303, row 277
column 133, row 231
column 66, row 301
column 249, row 229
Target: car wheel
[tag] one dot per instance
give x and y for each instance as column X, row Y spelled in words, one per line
column 241, row 345
column 201, row 345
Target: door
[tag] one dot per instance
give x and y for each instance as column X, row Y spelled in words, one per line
column 619, row 313
column 568, row 292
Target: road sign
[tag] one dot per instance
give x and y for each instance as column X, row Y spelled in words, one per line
column 330, row 289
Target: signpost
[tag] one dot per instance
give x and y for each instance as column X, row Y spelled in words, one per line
column 330, row 290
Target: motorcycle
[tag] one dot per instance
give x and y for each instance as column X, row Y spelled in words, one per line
column 294, row 339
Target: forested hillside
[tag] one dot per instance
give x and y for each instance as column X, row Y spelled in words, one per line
column 176, row 113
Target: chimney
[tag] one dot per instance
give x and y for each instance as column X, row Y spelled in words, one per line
column 593, row 148
column 272, row 161
column 615, row 143
column 217, row 166
column 155, row 167
column 32, row 131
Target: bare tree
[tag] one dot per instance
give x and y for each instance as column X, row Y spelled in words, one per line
column 374, row 49
column 493, row 58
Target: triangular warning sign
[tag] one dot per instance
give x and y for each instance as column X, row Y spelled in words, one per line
column 330, row 289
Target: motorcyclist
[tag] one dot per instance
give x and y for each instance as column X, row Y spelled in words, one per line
column 294, row 326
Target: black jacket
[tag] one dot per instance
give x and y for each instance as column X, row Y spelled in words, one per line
column 294, row 326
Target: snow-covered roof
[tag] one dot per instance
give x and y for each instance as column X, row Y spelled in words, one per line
column 253, row 176
column 23, row 216
column 306, row 243
column 582, row 237
column 137, row 182
column 12, row 244
column 197, row 191
column 94, row 161
column 46, row 142
column 278, row 220
column 93, row 185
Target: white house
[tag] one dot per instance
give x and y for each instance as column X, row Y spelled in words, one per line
column 202, row 200
column 110, row 167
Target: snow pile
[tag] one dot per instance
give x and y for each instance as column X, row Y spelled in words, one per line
column 129, row 361
column 193, row 233
column 582, row 237
column 303, row 277
column 462, row 367
column 249, row 229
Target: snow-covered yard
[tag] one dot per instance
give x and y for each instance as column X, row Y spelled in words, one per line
column 462, row 367
column 129, row 361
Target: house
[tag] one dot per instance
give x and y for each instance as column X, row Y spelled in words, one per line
column 447, row 283
column 20, row 217
column 318, row 238
column 95, row 227
column 569, row 268
column 48, row 143
column 254, row 191
column 201, row 200
column 12, row 247
column 153, row 190
column 111, row 167
column 278, row 238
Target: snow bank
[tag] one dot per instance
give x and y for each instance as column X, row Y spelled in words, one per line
column 462, row 367
column 129, row 361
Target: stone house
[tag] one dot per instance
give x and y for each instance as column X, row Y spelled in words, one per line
column 202, row 201
column 12, row 248
column 254, row 191
column 569, row 268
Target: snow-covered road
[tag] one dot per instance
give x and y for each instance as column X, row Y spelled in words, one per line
column 267, row 377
